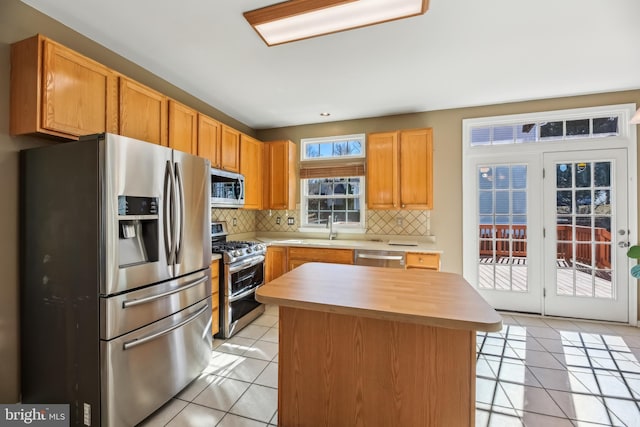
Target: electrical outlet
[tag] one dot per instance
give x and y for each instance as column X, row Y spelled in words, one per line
column 278, row 220
column 291, row 221
column 399, row 221
column 235, row 221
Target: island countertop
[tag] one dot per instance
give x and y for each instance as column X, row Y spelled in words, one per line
column 418, row 296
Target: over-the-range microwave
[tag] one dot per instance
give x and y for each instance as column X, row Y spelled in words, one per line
column 227, row 189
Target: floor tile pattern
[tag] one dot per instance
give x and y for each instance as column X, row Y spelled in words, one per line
column 535, row 372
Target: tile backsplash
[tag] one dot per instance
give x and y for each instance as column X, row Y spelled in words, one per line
column 408, row 223
column 238, row 220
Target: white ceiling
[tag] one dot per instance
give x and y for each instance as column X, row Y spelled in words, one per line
column 460, row 53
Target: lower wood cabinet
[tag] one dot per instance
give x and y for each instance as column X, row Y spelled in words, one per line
column 215, row 297
column 424, row 261
column 275, row 263
column 300, row 255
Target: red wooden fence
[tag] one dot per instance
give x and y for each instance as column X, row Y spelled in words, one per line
column 514, row 237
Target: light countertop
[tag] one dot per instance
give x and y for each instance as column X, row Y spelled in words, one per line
column 405, row 245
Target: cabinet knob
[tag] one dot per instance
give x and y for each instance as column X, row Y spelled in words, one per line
column 403, row 205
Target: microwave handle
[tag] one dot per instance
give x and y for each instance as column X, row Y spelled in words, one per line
column 240, row 189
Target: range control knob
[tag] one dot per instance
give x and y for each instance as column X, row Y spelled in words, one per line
column 248, row 250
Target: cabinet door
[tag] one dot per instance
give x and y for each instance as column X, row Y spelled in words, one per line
column 275, row 263
column 382, row 170
column 281, row 175
column 215, row 297
column 183, row 128
column 79, row 96
column 230, row 149
column 209, row 139
column 416, row 169
column 143, row 113
column 251, row 167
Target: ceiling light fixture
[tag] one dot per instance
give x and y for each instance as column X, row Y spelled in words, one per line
column 301, row 19
column 325, row 114
column 635, row 120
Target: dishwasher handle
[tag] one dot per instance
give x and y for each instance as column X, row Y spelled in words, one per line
column 382, row 257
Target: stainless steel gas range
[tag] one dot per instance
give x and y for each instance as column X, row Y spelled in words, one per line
column 242, row 273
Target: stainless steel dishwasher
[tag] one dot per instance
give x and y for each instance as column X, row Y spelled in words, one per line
column 391, row 259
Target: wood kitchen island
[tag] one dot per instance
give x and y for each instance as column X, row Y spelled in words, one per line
column 370, row 346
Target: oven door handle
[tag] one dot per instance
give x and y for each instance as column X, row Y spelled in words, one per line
column 248, row 263
column 235, row 298
column 139, row 341
column 138, row 301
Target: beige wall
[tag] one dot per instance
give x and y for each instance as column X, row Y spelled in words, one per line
column 18, row 21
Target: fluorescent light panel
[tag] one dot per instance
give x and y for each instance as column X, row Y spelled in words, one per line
column 325, row 17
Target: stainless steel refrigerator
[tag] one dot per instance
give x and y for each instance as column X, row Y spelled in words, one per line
column 115, row 277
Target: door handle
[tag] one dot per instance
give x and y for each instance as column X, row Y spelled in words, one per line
column 623, row 244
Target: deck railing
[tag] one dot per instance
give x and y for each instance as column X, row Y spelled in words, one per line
column 511, row 241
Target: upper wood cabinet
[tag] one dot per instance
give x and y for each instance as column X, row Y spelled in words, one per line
column 251, row 166
column 56, row 91
column 280, row 184
column 209, row 139
column 183, row 128
column 143, row 112
column 230, row 149
column 400, row 169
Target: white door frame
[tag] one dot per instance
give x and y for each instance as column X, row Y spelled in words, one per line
column 471, row 156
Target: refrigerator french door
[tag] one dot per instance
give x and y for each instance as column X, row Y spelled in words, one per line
column 115, row 279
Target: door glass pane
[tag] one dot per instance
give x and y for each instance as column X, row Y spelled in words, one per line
column 583, row 218
column 502, row 219
column 563, row 176
column 583, row 174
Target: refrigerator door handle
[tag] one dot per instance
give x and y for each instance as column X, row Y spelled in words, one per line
column 168, row 213
column 139, row 301
column 139, row 341
column 181, row 209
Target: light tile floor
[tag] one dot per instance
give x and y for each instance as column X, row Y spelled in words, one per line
column 535, row 372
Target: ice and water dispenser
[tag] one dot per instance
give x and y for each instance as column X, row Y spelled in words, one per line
column 138, row 224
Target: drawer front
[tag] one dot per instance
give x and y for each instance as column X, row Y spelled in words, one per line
column 145, row 368
column 125, row 312
column 428, row 261
column 337, row 256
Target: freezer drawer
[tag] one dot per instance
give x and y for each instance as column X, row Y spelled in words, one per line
column 125, row 312
column 142, row 370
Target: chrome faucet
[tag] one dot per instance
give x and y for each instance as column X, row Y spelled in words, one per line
column 332, row 235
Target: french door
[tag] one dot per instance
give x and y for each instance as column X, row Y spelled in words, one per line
column 586, row 227
column 507, row 272
column 552, row 233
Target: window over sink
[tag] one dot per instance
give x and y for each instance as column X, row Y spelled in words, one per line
column 332, row 183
